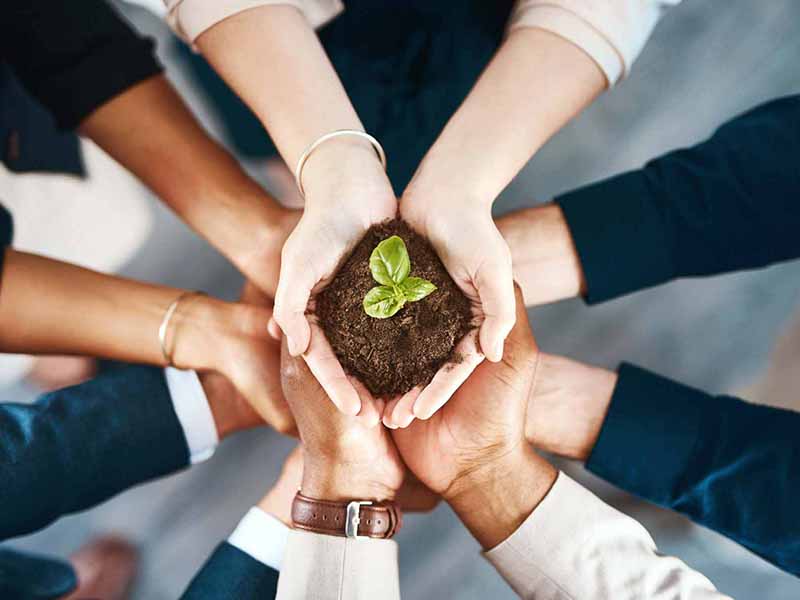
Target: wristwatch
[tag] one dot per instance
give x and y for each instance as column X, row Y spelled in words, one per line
column 354, row 519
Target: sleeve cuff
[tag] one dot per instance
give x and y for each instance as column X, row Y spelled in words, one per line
column 262, row 537
column 328, row 566
column 190, row 18
column 194, row 413
column 649, row 435
column 561, row 539
column 620, row 235
column 122, row 65
column 573, row 28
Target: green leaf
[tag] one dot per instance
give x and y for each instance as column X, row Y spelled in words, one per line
column 382, row 302
column 389, row 262
column 416, row 288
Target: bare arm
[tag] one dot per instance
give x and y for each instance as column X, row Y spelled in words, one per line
column 152, row 133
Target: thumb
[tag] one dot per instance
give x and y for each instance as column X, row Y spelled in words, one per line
column 495, row 285
column 291, row 301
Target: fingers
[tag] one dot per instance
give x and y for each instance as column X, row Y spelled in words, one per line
column 399, row 413
column 449, row 378
column 371, row 408
column 322, row 362
column 495, row 285
column 291, row 300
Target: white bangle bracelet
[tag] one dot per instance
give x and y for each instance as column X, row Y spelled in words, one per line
column 298, row 172
column 163, row 329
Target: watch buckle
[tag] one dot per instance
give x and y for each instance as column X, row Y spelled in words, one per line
column 353, row 519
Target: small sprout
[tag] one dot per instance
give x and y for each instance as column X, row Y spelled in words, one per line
column 390, row 266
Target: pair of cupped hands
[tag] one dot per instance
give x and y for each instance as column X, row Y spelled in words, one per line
column 341, row 204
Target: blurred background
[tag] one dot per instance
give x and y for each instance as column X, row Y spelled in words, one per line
column 706, row 62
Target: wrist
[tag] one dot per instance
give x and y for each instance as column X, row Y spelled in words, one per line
column 339, row 481
column 568, row 406
column 546, row 262
column 342, row 166
column 494, row 500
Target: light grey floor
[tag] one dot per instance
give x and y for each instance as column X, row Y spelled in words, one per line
column 706, row 62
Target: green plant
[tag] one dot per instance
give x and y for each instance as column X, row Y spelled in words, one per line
column 390, row 266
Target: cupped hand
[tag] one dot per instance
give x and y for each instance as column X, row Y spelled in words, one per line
column 340, row 207
column 484, row 421
column 478, row 259
column 345, row 456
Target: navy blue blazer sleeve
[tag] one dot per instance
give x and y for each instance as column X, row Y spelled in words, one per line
column 73, row 56
column 6, row 233
column 726, row 464
column 231, row 574
column 730, row 203
column 79, row 446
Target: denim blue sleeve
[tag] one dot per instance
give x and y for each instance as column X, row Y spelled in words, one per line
column 231, row 574
column 730, row 203
column 726, row 464
column 79, row 446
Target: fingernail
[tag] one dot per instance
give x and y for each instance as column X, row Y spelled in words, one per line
column 498, row 351
column 388, row 424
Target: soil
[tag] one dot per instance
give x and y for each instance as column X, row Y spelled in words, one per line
column 392, row 356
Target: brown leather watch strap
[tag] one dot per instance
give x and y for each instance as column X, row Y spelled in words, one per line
column 379, row 520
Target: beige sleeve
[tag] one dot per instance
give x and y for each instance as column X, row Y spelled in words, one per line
column 611, row 32
column 574, row 546
column 190, row 18
column 326, row 567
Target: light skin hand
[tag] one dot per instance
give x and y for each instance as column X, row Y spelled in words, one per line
column 567, row 406
column 341, row 205
column 230, row 339
column 345, row 457
column 483, row 467
column 546, row 263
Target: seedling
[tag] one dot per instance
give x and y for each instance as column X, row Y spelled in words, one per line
column 390, row 266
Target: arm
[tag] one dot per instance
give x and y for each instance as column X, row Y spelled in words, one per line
column 344, row 459
column 729, row 462
column 93, row 72
column 79, row 446
column 536, row 82
column 298, row 99
column 723, row 205
column 546, row 535
column 50, row 307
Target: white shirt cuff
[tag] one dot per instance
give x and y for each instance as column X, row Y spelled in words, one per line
column 261, row 536
column 194, row 413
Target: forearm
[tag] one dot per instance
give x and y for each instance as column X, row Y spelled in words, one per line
column 722, row 205
column 274, row 61
column 728, row 462
column 79, row 446
column 50, row 307
column 534, row 85
column 151, row 132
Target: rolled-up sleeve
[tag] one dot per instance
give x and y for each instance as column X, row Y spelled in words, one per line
column 611, row 32
column 190, row 18
column 73, row 56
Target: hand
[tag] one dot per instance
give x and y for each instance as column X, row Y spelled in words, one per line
column 231, row 339
column 262, row 265
column 346, row 193
column 345, row 457
column 546, row 263
column 567, row 406
column 483, row 467
column 478, row 260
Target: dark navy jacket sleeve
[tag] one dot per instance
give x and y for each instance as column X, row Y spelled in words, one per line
column 6, row 233
column 726, row 464
column 73, row 56
column 231, row 574
column 79, row 446
column 730, row 203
